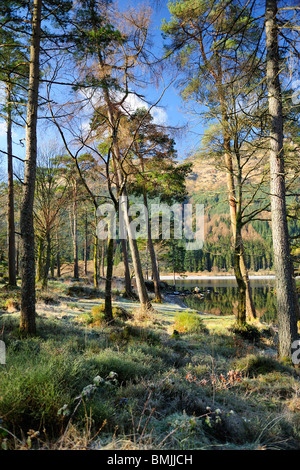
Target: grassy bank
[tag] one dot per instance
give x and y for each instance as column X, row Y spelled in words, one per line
column 169, row 380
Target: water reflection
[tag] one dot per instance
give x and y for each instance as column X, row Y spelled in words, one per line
column 220, row 297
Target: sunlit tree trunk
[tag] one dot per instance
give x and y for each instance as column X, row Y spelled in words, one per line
column 12, row 279
column 52, row 264
column 102, row 273
column 47, row 261
column 136, row 261
column 75, row 234
column 58, row 274
column 285, row 293
column 95, row 261
column 28, row 298
column 124, row 206
column 128, row 289
column 150, row 246
column 85, row 244
column 240, row 269
column 108, row 283
column 39, row 264
column 239, row 250
column 155, row 272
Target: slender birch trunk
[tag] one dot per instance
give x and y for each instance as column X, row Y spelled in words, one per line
column 28, row 298
column 85, row 244
column 12, row 279
column 102, row 273
column 108, row 283
column 47, row 261
column 154, row 266
column 39, row 264
column 75, row 234
column 128, row 289
column 95, row 261
column 58, row 274
column 242, row 269
column 285, row 293
column 52, row 265
column 155, row 271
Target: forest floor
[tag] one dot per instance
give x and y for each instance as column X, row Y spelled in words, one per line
column 170, row 378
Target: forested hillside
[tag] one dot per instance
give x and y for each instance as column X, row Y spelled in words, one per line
column 206, row 184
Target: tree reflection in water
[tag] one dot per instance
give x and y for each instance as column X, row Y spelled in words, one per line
column 221, row 297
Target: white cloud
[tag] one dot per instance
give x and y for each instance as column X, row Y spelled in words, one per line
column 131, row 104
column 160, row 116
column 2, row 129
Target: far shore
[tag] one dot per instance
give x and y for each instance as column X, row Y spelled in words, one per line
column 213, row 277
column 207, row 277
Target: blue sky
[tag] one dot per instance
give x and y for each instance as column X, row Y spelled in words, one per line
column 176, row 115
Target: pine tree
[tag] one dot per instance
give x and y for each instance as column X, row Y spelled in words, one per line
column 285, row 293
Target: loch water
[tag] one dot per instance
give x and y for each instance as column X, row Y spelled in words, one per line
column 220, row 296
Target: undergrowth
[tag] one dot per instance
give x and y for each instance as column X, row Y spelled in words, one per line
column 84, row 384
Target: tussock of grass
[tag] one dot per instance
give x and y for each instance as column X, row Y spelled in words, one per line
column 96, row 317
column 254, row 365
column 247, row 331
column 79, row 290
column 48, row 298
column 187, row 322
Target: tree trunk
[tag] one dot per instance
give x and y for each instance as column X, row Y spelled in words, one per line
column 285, row 294
column 75, row 234
column 217, row 74
column 40, row 251
column 140, row 283
column 102, row 273
column 12, row 279
column 238, row 253
column 86, row 245
column 155, row 272
column 28, row 313
column 18, row 257
column 241, row 316
column 251, row 313
column 174, row 273
column 52, row 265
column 58, row 274
column 250, row 309
column 128, row 289
column 47, row 261
column 108, row 282
column 96, row 277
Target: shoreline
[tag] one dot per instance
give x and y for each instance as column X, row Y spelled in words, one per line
column 208, row 278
